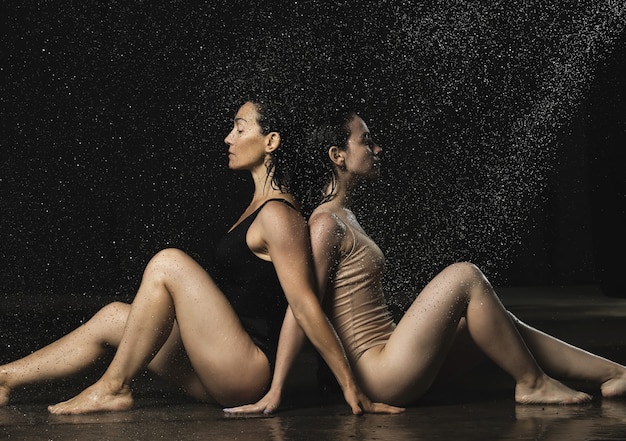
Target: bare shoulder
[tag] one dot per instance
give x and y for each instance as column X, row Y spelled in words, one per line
column 277, row 217
column 280, row 210
column 326, row 225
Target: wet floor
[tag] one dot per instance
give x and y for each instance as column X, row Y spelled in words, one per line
column 479, row 408
column 497, row 419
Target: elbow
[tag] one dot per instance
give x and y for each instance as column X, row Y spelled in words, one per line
column 308, row 313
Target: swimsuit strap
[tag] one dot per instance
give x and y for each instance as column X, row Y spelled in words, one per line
column 284, row 201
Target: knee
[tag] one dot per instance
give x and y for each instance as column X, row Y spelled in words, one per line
column 114, row 314
column 107, row 325
column 166, row 261
column 169, row 255
column 467, row 273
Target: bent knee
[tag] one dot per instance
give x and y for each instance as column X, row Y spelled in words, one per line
column 169, row 256
column 168, row 259
column 466, row 272
column 113, row 313
column 107, row 325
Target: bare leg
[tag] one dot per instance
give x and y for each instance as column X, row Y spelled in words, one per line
column 172, row 364
column 68, row 355
column 404, row 368
column 232, row 369
column 462, row 356
column 556, row 357
column 80, row 348
column 563, row 360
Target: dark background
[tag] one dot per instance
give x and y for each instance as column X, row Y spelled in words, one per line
column 503, row 128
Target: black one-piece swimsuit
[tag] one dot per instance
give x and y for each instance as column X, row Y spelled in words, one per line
column 251, row 286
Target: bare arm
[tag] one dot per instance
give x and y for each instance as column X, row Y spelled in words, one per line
column 290, row 344
column 327, row 233
column 288, row 244
column 326, row 239
column 289, row 247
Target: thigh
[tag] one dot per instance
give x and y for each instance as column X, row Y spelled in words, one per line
column 406, row 366
column 462, row 356
column 172, row 364
column 230, row 366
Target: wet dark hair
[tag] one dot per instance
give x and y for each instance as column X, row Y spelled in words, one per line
column 330, row 127
column 278, row 114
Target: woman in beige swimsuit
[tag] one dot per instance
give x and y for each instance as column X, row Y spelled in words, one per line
column 398, row 363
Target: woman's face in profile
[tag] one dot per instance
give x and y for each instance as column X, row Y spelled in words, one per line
column 362, row 152
column 246, row 143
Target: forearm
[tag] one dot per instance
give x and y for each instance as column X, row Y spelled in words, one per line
column 320, row 332
column 290, row 344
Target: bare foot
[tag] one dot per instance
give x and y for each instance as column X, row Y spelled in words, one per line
column 96, row 398
column 549, row 391
column 615, row 387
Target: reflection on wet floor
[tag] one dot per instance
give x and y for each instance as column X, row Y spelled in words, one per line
column 479, row 408
column 497, row 419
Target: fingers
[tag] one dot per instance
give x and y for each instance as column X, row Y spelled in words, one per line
column 356, row 410
column 240, row 409
column 369, row 407
column 266, row 409
column 386, row 408
column 249, row 408
column 360, row 404
column 266, row 405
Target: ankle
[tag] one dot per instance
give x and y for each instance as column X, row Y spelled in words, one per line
column 113, row 385
column 533, row 381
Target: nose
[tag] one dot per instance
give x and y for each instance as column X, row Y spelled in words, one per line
column 377, row 150
column 228, row 137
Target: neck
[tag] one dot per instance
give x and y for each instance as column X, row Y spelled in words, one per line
column 342, row 194
column 263, row 188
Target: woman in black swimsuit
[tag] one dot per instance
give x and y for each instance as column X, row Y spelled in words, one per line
column 213, row 335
